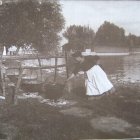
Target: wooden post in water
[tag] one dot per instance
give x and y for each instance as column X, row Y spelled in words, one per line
column 66, row 59
column 55, row 70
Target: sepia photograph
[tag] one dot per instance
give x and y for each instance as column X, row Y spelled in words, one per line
column 69, row 69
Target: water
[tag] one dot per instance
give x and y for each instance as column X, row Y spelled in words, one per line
column 120, row 69
column 44, row 62
column 124, row 69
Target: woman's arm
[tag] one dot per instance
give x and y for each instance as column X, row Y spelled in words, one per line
column 72, row 75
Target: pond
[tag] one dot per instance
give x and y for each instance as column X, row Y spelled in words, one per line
column 122, row 69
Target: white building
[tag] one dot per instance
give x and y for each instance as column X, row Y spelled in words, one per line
column 12, row 50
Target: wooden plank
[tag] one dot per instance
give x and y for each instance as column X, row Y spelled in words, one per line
column 29, row 57
column 37, row 67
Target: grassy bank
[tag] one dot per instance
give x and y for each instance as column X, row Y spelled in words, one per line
column 114, row 116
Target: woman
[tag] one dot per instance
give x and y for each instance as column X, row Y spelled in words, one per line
column 96, row 80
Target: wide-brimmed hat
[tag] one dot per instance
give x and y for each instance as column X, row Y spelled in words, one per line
column 88, row 52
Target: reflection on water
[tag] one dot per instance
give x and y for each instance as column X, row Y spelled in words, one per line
column 122, row 68
column 132, row 68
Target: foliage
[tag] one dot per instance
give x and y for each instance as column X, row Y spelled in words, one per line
column 110, row 34
column 79, row 37
column 31, row 22
column 133, row 40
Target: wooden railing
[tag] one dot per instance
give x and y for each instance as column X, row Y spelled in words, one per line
column 21, row 68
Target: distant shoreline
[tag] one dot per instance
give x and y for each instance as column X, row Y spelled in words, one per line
column 112, row 54
column 117, row 54
column 115, row 51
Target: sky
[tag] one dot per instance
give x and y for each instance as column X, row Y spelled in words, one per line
column 125, row 14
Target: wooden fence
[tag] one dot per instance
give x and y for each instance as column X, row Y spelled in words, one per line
column 20, row 68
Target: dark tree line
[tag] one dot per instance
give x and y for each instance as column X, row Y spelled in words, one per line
column 31, row 22
column 79, row 37
column 108, row 34
column 38, row 24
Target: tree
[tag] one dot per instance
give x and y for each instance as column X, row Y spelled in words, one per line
column 133, row 41
column 110, row 34
column 31, row 22
column 79, row 37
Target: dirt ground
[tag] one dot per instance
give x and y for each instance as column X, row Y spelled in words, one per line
column 110, row 117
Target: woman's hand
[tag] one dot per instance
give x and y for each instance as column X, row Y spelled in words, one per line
column 72, row 75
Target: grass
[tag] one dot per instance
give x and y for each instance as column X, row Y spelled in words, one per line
column 31, row 120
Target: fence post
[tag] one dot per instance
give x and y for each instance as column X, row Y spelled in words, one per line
column 55, row 70
column 3, row 72
column 40, row 67
column 18, row 85
column 66, row 59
